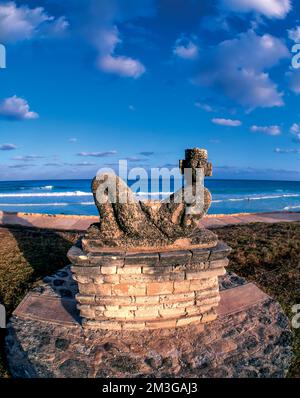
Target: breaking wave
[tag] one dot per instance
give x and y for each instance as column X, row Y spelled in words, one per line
column 44, row 194
column 292, row 195
column 287, row 208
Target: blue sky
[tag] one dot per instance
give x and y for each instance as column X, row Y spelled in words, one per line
column 90, row 82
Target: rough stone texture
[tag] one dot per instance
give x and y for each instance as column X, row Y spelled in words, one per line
column 250, row 338
column 127, row 223
column 132, row 291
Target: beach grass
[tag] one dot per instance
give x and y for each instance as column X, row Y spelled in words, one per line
column 267, row 254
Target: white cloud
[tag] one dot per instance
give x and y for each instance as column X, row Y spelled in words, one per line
column 22, row 23
column 295, row 130
column 204, row 107
column 269, row 8
column 279, row 150
column 294, row 81
column 186, row 48
column 97, row 154
column 7, row 147
column 72, row 140
column 269, row 130
column 294, row 34
column 27, row 158
column 16, row 108
column 238, row 68
column 122, row 66
column 81, row 164
column 227, row 122
column 108, row 61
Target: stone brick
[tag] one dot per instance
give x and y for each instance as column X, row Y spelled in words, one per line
column 133, row 325
column 145, row 312
column 200, row 284
column 200, row 255
column 104, row 290
column 219, row 263
column 209, row 317
column 104, row 258
column 85, row 299
column 100, row 307
column 86, row 311
column 131, row 307
column 172, row 312
column 179, row 304
column 107, row 325
column 137, row 278
column 177, row 297
column 113, row 300
column 98, row 280
column 175, row 258
column 160, row 288
column 124, row 289
column 188, row 320
column 115, row 278
column 77, row 256
column 166, row 324
column 205, row 274
column 208, row 300
column 86, row 271
column 181, row 287
column 210, row 292
column 119, row 313
column 177, row 276
column 108, row 269
column 156, row 270
column 82, row 279
column 146, row 300
column 189, row 267
column 129, row 270
column 110, row 307
column 141, row 259
column 220, row 251
column 87, row 288
column 197, row 310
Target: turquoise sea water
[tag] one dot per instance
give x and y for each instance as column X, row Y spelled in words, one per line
column 74, row 196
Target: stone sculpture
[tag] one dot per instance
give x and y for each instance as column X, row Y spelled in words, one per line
column 173, row 221
column 149, row 265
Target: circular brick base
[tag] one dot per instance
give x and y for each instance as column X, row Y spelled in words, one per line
column 148, row 290
column 250, row 338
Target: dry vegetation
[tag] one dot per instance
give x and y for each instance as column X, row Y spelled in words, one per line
column 266, row 254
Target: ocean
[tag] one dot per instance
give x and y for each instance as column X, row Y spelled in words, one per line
column 74, row 196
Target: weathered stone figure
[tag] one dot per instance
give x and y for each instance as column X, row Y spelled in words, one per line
column 124, row 221
column 150, row 265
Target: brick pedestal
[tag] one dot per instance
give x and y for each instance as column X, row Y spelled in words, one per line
column 148, row 290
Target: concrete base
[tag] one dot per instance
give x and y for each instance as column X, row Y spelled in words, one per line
column 250, row 338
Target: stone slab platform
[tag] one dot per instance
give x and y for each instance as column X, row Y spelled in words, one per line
column 250, row 338
column 62, row 311
column 81, row 223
